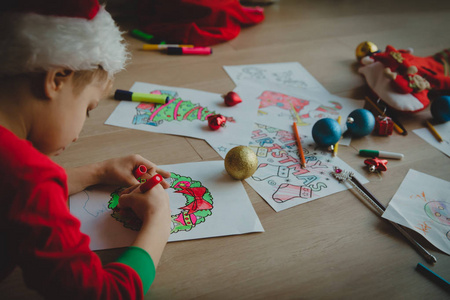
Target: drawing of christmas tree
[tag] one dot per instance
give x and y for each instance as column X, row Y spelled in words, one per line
column 176, row 109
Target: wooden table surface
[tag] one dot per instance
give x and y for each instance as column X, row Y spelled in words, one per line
column 333, row 247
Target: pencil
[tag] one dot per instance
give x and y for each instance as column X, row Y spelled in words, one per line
column 396, row 127
column 335, row 149
column 299, row 146
column 434, row 131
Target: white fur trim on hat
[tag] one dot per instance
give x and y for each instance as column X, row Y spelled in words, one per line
column 31, row 42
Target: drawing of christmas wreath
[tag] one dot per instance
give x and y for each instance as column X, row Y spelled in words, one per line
column 198, row 206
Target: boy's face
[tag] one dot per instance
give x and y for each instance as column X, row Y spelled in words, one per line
column 66, row 116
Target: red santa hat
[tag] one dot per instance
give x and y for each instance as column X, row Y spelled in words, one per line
column 36, row 35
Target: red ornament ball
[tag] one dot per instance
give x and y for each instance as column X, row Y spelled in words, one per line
column 232, row 98
column 216, row 121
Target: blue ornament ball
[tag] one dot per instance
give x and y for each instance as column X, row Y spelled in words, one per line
column 360, row 122
column 326, row 132
column 440, row 109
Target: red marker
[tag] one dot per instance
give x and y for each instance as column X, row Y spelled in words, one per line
column 149, row 184
column 139, row 171
column 193, row 50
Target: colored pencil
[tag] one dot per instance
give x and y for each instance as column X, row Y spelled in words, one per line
column 299, row 146
column 434, row 132
column 335, row 148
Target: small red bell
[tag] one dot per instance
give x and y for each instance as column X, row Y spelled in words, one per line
column 232, row 98
column 216, row 121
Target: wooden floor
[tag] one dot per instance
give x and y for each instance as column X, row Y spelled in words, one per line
column 330, row 248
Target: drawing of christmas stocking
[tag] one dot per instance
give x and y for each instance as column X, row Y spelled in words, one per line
column 287, row 192
column 265, row 171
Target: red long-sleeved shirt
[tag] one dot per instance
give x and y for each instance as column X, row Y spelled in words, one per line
column 41, row 236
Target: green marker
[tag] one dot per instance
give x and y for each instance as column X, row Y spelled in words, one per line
column 384, row 154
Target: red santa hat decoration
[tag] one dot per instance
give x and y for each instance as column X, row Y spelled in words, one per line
column 37, row 35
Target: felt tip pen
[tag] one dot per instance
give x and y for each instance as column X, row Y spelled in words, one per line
column 151, row 183
column 139, row 171
column 193, row 50
column 384, row 154
column 141, row 97
column 143, row 36
column 163, row 46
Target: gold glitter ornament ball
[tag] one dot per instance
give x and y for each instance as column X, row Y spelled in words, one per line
column 364, row 49
column 241, row 162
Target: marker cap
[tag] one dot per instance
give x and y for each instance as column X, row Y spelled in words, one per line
column 123, row 95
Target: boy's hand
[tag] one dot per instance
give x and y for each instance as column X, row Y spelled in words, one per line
column 119, row 171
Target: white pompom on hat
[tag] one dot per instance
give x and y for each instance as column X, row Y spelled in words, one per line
column 37, row 35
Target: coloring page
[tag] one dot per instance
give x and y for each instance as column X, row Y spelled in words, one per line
column 444, row 132
column 291, row 74
column 279, row 178
column 205, row 202
column 279, row 107
column 185, row 114
column 422, row 204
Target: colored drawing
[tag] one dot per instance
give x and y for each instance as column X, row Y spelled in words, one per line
column 186, row 114
column 176, row 109
column 421, row 204
column 279, row 178
column 279, row 107
column 204, row 202
column 198, row 205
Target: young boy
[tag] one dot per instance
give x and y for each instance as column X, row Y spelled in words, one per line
column 57, row 60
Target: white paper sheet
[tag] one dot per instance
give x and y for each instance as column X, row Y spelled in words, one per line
column 227, row 210
column 191, row 108
column 279, row 107
column 444, row 132
column 422, row 204
column 291, row 74
column 279, row 179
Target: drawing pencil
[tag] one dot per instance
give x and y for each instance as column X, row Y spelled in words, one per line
column 299, row 146
column 434, row 132
column 433, row 276
column 396, row 127
column 342, row 175
column 152, row 182
column 335, row 148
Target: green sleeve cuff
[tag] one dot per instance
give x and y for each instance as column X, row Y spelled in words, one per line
column 139, row 259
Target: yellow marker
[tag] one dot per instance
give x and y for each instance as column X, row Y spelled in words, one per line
column 163, row 46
